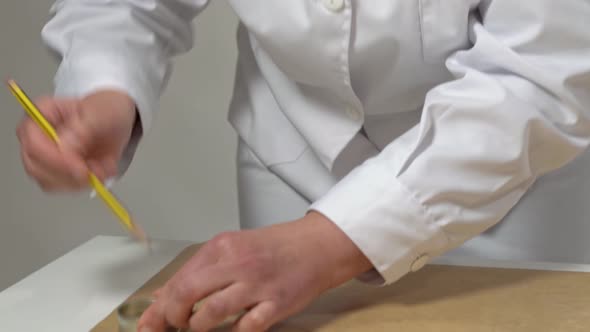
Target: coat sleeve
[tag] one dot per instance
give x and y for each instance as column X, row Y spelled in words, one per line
column 122, row 44
column 519, row 107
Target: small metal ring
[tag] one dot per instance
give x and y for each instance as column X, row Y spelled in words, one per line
column 129, row 313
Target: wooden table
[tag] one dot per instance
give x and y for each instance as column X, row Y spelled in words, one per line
column 437, row 298
column 77, row 291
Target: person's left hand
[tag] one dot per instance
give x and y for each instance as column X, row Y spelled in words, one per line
column 271, row 273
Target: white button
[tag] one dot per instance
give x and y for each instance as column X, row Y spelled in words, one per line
column 419, row 263
column 353, row 113
column 334, row 5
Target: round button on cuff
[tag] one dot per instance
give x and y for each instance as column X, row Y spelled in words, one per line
column 419, row 263
column 334, row 5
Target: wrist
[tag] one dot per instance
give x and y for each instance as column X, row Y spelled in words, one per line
column 338, row 258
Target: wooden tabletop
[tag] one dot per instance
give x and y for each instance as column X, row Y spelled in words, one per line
column 437, row 298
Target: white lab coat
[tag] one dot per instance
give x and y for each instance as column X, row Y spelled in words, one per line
column 414, row 125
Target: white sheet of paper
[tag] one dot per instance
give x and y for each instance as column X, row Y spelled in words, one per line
column 76, row 291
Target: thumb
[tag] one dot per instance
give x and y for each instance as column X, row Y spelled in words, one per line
column 80, row 141
column 89, row 128
column 100, row 126
column 77, row 135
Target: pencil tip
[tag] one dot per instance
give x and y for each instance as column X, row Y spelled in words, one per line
column 140, row 235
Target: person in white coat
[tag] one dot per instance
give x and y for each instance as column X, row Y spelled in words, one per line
column 374, row 136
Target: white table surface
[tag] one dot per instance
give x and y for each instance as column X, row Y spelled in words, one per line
column 79, row 289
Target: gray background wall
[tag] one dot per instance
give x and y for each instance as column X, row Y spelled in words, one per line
column 182, row 182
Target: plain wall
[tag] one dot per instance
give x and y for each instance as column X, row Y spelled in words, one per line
column 181, row 184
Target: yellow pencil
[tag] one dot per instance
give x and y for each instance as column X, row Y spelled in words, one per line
column 109, row 199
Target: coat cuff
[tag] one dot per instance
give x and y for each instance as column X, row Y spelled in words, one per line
column 384, row 220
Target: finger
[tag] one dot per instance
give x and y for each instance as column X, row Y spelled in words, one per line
column 157, row 293
column 103, row 169
column 221, row 306
column 47, row 181
column 21, row 130
column 44, row 152
column 188, row 289
column 152, row 320
column 76, row 136
column 97, row 169
column 36, row 147
column 260, row 318
column 111, row 167
column 56, row 111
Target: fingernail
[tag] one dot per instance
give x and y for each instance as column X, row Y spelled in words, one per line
column 109, row 182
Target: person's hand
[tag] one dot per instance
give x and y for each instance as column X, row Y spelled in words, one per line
column 93, row 133
column 271, row 273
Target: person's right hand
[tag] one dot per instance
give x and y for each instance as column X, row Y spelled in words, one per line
column 93, row 132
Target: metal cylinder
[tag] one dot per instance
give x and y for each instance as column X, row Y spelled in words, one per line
column 129, row 313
